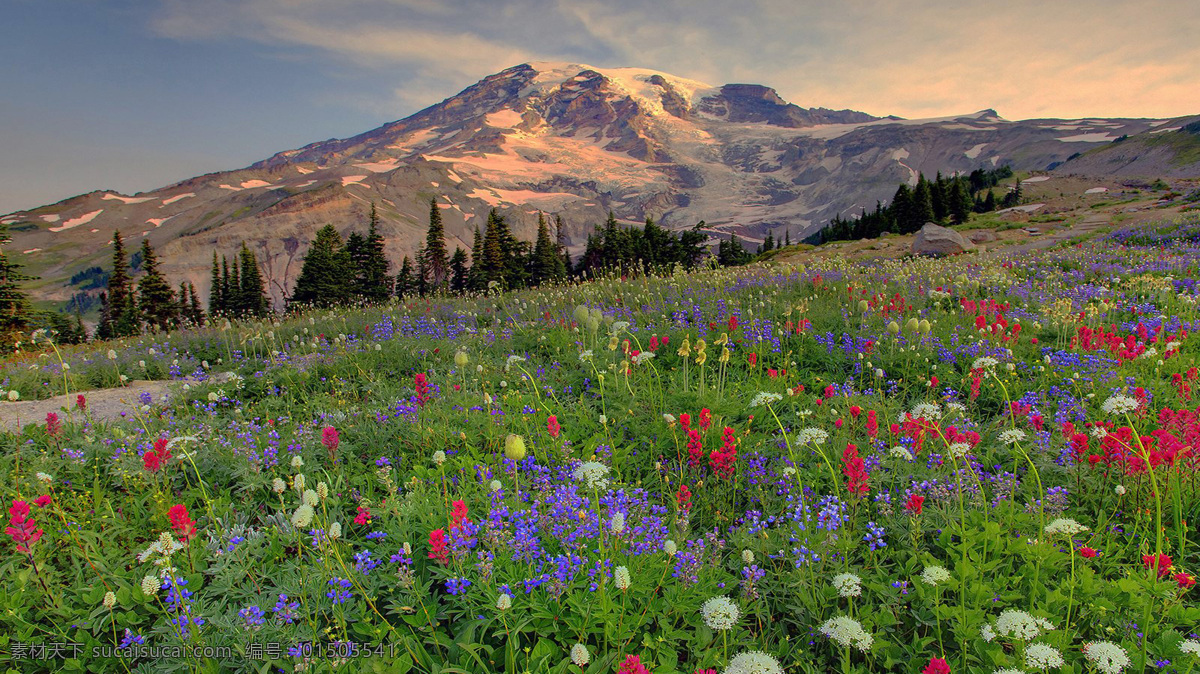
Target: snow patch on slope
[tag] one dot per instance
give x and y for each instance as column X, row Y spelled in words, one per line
column 170, row 200
column 1089, row 138
column 126, row 200
column 974, row 151
column 75, row 222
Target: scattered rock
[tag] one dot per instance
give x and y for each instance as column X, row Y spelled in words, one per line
column 936, row 241
column 981, row 236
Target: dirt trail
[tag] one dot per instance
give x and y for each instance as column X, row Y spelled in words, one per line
column 102, row 404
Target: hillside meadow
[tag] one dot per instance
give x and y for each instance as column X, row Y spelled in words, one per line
column 978, row 464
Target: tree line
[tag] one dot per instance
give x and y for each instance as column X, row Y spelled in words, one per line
column 496, row 259
column 942, row 200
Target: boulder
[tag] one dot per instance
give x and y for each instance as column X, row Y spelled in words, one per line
column 936, row 241
column 981, row 236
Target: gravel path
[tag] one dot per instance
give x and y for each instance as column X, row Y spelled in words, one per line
column 102, row 404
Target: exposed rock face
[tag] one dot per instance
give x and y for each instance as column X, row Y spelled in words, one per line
column 937, row 241
column 981, row 235
column 562, row 138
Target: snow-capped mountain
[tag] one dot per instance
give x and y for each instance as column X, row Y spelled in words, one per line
column 561, row 138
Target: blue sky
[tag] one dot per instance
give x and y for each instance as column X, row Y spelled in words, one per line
column 135, row 94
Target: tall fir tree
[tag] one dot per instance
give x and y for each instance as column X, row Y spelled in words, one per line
column 371, row 269
column 15, row 310
column 475, row 278
column 197, row 312
column 960, row 201
column 560, row 242
column 458, row 270
column 252, row 290
column 404, row 280
column 922, row 204
column 215, row 289
column 113, row 322
column 437, row 261
column 494, row 262
column 545, row 262
column 156, row 298
column 322, row 280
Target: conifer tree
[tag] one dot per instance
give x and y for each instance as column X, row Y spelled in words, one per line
column 252, row 291
column 437, row 262
column 215, row 288
column 404, row 280
column 156, row 298
column 494, row 239
column 922, row 202
column 989, row 202
column 15, row 310
column 545, row 262
column 960, row 201
column 940, row 198
column 322, row 280
column 197, row 312
column 458, row 270
column 116, row 295
column 560, row 240
column 475, row 279
column 371, row 266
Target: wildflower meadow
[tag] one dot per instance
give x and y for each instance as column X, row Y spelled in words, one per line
column 984, row 463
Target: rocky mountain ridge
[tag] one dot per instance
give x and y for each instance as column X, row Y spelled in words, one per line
column 563, row 138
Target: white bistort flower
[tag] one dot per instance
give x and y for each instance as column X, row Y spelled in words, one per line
column 931, row 411
column 935, row 575
column 278, row 486
column 580, row 655
column 670, row 548
column 151, row 585
column 621, row 578
column 1065, row 526
column 642, row 357
column 1042, row 656
column 1012, row 435
column 439, row 457
column 1020, row 625
column 720, row 613
column 504, row 602
column 1119, row 404
column 848, row 632
column 958, row 450
column 310, row 498
column 110, row 600
column 753, row 662
column 1190, row 647
column 1106, row 656
column 593, row 475
column 765, row 398
column 618, row 523
column 302, row 517
column 848, row 584
column 986, row 363
column 811, row 435
column 900, row 453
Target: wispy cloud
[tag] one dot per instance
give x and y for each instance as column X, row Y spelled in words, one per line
column 1027, row 58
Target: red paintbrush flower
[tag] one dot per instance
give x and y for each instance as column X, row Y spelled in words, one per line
column 182, row 522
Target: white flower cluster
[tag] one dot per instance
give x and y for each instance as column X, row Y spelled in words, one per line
column 618, row 523
column 585, row 356
column 163, row 548
column 1065, row 526
column 720, row 613
column 985, row 363
column 642, row 357
column 1106, row 656
column 1119, row 404
column 621, row 578
column 765, row 398
column 1190, row 647
column 619, row 326
column 1020, row 625
column 901, row 453
column 753, row 662
column 580, row 655
column 848, row 584
column 504, row 602
column 931, row 411
column 1012, row 435
column 848, row 632
column 935, row 575
column 593, row 474
column 1042, row 656
column 958, row 450
column 814, row 436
